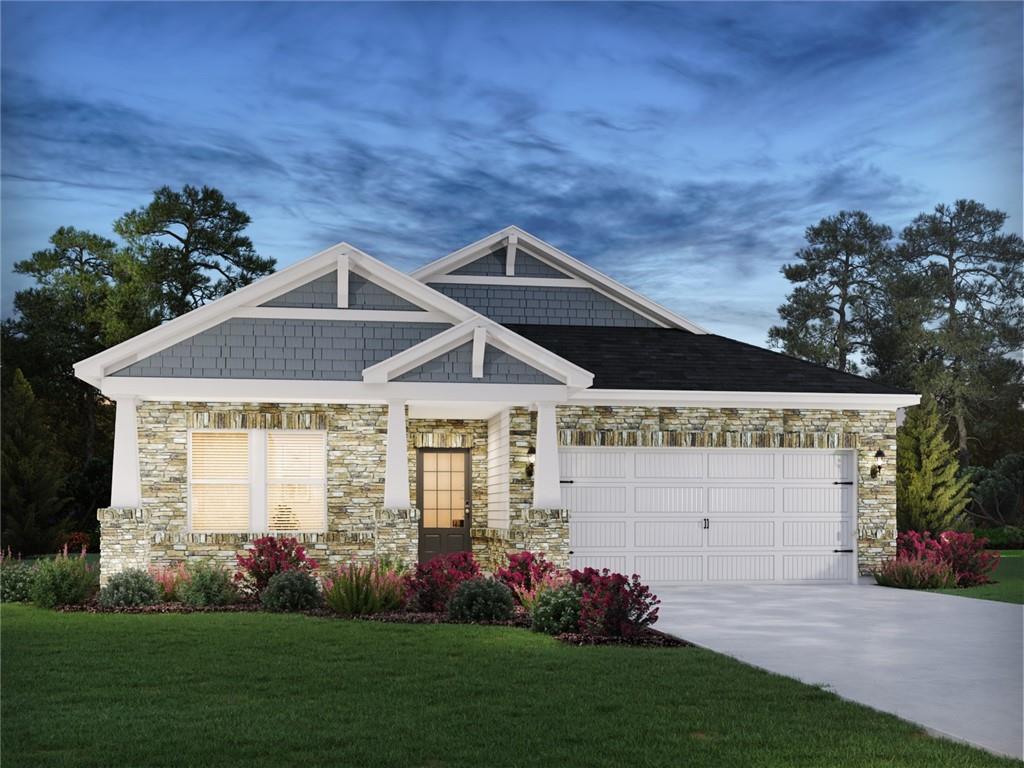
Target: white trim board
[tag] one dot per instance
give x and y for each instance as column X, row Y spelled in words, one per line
column 563, row 262
column 310, row 313
column 739, row 399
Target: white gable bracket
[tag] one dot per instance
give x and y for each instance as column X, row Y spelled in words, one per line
column 479, row 344
column 343, row 280
column 510, row 255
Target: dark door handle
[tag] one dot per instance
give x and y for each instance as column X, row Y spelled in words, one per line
column 566, row 482
column 842, row 482
column 842, row 550
column 707, row 523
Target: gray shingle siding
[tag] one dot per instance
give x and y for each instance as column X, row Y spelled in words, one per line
column 457, row 366
column 491, row 264
column 322, row 293
column 543, row 306
column 258, row 348
column 528, row 266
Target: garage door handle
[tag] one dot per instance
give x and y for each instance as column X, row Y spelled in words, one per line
column 842, row 550
column 842, row 482
column 566, row 482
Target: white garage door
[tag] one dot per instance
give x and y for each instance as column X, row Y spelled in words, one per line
column 720, row 515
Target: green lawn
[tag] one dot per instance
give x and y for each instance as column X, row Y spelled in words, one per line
column 1009, row 577
column 273, row 690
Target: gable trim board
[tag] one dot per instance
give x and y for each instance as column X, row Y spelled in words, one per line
column 94, row 369
column 435, row 272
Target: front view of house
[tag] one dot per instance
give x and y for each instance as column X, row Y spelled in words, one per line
column 506, row 396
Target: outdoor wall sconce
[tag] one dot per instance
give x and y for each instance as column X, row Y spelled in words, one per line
column 531, row 459
column 879, row 462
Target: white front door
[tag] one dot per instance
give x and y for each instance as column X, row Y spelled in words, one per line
column 712, row 515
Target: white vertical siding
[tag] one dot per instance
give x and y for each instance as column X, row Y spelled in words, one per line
column 498, row 457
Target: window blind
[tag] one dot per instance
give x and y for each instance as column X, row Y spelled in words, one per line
column 296, row 470
column 220, row 481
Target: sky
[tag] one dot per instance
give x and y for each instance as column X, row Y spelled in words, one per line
column 680, row 148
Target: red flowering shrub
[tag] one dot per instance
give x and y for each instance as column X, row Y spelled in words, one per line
column 612, row 605
column 524, row 570
column 964, row 553
column 915, row 573
column 268, row 557
column 432, row 584
column 77, row 540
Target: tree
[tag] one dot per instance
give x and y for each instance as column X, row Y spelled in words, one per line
column 977, row 314
column 930, row 494
column 824, row 316
column 192, row 246
column 998, row 495
column 31, row 474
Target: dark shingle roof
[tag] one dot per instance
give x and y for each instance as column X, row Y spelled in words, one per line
column 662, row 358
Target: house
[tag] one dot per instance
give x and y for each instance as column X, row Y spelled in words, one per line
column 506, row 396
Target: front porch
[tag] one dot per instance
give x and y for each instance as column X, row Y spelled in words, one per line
column 372, row 504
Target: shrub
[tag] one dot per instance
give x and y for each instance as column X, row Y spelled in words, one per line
column 78, row 540
column 359, row 589
column 432, row 584
column 964, row 553
column 170, row 580
column 1005, row 537
column 130, row 587
column 915, row 573
column 612, row 605
column 267, row 557
column 206, row 584
column 527, row 597
column 64, row 580
column 524, row 570
column 16, row 577
column 291, row 590
column 557, row 611
column 481, row 599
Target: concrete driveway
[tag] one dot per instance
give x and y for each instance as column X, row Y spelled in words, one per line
column 952, row 664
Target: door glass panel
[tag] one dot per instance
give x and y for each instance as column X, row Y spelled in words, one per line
column 443, row 492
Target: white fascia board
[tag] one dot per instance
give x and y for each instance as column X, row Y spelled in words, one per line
column 536, row 282
column 319, row 391
column 418, row 354
column 712, row 399
column 372, row 315
column 462, row 256
column 93, row 369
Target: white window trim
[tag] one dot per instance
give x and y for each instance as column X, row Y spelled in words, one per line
column 259, row 481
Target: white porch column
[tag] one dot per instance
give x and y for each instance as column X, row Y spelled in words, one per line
column 396, row 472
column 547, row 491
column 124, row 480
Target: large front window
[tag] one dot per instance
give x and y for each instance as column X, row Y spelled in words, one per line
column 257, row 480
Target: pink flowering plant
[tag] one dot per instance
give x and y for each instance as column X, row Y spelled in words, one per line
column 613, row 605
column 915, row 573
column 169, row 579
column 433, row 583
column 358, row 589
column 549, row 582
column 524, row 570
column 269, row 556
column 964, row 553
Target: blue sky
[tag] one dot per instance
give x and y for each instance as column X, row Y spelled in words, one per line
column 681, row 148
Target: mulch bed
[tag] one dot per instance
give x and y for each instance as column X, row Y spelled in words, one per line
column 649, row 638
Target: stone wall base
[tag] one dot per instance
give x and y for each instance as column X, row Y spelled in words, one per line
column 535, row 530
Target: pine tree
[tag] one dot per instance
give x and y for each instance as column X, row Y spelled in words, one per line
column 31, row 474
column 930, row 496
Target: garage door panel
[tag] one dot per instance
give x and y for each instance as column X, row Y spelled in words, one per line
column 594, row 499
column 815, row 501
column 741, row 500
column 741, row 568
column 817, row 466
column 742, row 533
column 680, row 501
column 669, row 464
column 671, row 567
column 817, row 533
column 664, row 533
column 585, row 560
column 587, row 533
column 741, row 466
column 592, row 465
column 824, row 567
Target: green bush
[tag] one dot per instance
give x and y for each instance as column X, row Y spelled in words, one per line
column 291, row 591
column 558, row 611
column 207, row 584
column 130, row 588
column 481, row 599
column 16, row 577
column 1005, row 537
column 360, row 589
column 64, row 580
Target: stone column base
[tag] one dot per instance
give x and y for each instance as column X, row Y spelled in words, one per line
column 542, row 531
column 124, row 540
column 397, row 535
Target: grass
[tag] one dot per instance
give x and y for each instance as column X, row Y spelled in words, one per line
column 1009, row 581
column 271, row 690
